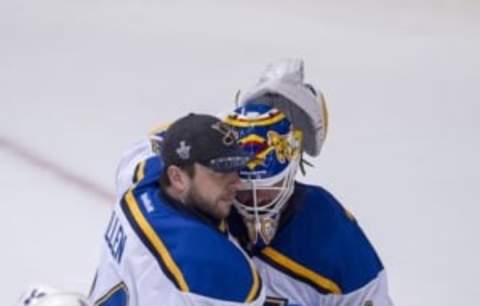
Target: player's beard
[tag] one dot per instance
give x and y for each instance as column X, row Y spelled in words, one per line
column 217, row 208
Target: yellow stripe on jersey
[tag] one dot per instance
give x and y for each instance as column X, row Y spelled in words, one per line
column 140, row 174
column 159, row 128
column 301, row 271
column 258, row 122
column 155, row 240
column 325, row 115
column 111, row 292
column 256, row 284
column 223, row 226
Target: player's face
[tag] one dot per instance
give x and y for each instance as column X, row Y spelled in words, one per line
column 263, row 196
column 213, row 192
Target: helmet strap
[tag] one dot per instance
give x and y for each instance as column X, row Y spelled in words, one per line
column 304, row 162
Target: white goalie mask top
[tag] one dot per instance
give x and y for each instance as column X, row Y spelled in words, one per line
column 268, row 179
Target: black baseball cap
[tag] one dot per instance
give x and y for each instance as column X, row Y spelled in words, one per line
column 203, row 139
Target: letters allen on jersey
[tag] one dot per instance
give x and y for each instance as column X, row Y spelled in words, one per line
column 115, row 238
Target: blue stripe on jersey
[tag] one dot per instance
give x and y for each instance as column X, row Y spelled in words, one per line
column 194, row 255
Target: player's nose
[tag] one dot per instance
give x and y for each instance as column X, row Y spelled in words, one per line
column 234, row 182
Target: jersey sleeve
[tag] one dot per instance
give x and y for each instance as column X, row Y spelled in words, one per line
column 360, row 271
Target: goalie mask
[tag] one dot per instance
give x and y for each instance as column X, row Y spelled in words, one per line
column 268, row 179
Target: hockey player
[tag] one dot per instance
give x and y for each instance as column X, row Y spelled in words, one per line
column 308, row 248
column 165, row 243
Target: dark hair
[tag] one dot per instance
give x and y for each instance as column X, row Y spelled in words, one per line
column 165, row 180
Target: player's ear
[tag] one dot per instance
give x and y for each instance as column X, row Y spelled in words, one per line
column 179, row 179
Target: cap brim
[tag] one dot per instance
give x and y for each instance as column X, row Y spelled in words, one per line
column 230, row 161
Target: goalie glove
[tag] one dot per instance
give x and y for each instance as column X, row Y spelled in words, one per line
column 46, row 296
column 282, row 86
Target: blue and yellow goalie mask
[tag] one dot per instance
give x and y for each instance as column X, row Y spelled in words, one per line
column 268, row 179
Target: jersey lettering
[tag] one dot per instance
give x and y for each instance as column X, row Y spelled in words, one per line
column 116, row 238
column 275, row 301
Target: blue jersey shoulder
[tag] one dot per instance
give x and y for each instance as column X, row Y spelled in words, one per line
column 323, row 244
column 194, row 254
column 148, row 170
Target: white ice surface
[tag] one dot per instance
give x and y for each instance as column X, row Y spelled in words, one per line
column 81, row 80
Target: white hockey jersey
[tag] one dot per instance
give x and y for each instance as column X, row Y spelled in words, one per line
column 156, row 252
column 319, row 256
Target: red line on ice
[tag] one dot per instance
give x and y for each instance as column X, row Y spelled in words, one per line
column 60, row 172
